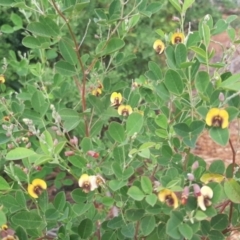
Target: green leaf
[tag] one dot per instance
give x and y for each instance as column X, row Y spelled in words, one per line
column 199, row 51
column 187, row 4
column 180, row 54
column 173, row 223
column 155, row 68
column 6, row 28
column 147, row 225
column 59, row 147
column 170, row 55
column 3, row 218
column 202, row 82
column 21, row 233
column 185, row 230
column 46, row 142
column 154, row 7
column 113, row 45
column 116, row 184
column 134, row 124
column 176, row 5
column 135, row 193
column 219, row 135
column 16, row 19
column 31, row 42
column 45, row 27
column 65, row 68
column 4, row 185
column 27, row 220
column 19, row 153
column 70, row 118
column 162, row 121
column 206, row 34
column 128, row 230
column 146, row 185
column 86, row 144
column 116, row 222
column 85, row 228
column 151, row 199
column 38, row 103
column 174, row 82
column 232, row 190
column 182, row 129
column 60, row 201
column 193, row 39
column 66, row 48
column 6, row 2
column 219, row 222
column 217, row 166
column 214, row 234
column 116, row 131
column 232, row 83
column 220, row 26
column 134, row 214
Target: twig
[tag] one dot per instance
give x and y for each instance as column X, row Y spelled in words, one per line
column 233, row 157
column 77, row 50
column 136, row 231
column 233, row 165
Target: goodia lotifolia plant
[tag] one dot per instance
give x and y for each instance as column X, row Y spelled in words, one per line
column 89, row 154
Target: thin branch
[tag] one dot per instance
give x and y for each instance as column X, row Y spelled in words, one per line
column 233, row 165
column 234, row 155
column 136, row 231
column 83, row 38
column 77, row 50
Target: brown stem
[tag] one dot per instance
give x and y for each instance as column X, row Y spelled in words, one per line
column 233, row 165
column 234, row 156
column 136, row 231
column 223, row 206
column 82, row 90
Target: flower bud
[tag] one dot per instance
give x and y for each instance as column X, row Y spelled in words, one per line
column 190, row 176
column 195, row 165
column 197, row 190
column 185, row 194
column 221, row 97
column 69, row 153
column 74, row 141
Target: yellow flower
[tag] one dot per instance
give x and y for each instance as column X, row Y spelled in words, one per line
column 90, row 183
column 177, row 38
column 125, row 110
column 2, row 79
column 36, row 187
column 217, row 118
column 4, row 227
column 158, row 46
column 204, row 199
column 116, row 99
column 97, row 92
column 169, row 197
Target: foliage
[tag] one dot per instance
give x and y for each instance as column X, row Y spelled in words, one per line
column 96, row 143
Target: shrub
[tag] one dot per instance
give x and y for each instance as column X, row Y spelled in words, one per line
column 95, row 146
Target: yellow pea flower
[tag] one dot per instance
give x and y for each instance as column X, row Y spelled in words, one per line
column 116, row 99
column 177, row 37
column 158, row 46
column 217, row 117
column 125, row 110
column 36, row 187
column 169, row 197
